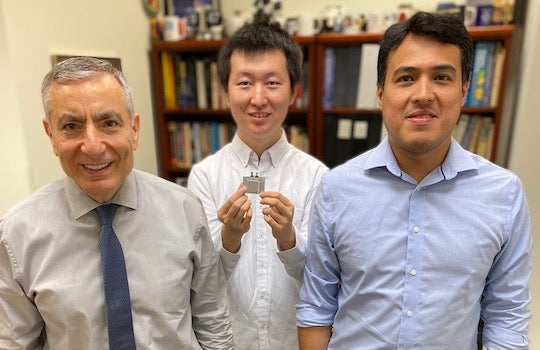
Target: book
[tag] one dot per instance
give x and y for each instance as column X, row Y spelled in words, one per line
column 173, row 142
column 500, row 54
column 461, row 125
column 215, row 102
column 169, row 83
column 182, row 94
column 469, row 129
column 484, row 145
column 303, row 95
column 202, row 83
column 191, row 83
column 187, row 159
column 328, row 77
column 205, row 139
column 214, row 132
column 196, row 141
column 366, row 97
column 476, row 131
column 346, row 74
column 482, row 74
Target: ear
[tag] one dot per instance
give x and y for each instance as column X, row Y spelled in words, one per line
column 135, row 127
column 464, row 90
column 296, row 93
column 48, row 131
column 46, row 126
column 380, row 91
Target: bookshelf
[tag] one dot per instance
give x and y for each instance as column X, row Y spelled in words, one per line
column 350, row 129
column 174, row 112
column 358, row 125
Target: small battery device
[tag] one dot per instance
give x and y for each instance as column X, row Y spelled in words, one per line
column 254, row 184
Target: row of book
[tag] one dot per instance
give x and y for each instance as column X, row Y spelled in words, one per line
column 350, row 76
column 297, row 136
column 193, row 82
column 190, row 82
column 486, row 74
column 191, row 142
column 475, row 133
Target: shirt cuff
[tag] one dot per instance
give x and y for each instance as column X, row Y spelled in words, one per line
column 228, row 260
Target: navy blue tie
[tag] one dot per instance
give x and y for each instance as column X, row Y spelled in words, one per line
column 117, row 300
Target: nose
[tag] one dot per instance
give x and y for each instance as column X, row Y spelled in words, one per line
column 424, row 92
column 258, row 97
column 92, row 143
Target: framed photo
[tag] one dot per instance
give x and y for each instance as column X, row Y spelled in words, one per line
column 182, row 8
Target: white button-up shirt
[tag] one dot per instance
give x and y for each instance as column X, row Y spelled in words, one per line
column 263, row 283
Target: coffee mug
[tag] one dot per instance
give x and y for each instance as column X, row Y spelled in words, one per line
column 171, row 30
column 306, row 25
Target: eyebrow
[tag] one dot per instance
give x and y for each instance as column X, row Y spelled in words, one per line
column 69, row 117
column 107, row 114
column 437, row 68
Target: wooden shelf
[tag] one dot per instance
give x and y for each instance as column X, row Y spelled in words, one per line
column 312, row 116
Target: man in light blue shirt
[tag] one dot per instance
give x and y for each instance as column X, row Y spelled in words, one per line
column 411, row 243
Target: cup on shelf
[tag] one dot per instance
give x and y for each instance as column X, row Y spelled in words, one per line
column 469, row 15
column 171, row 30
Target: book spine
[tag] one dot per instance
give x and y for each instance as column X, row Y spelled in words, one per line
column 328, row 78
column 482, row 72
column 169, row 83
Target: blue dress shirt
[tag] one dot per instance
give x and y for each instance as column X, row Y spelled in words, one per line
column 396, row 264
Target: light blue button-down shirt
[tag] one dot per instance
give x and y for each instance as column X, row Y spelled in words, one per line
column 396, row 264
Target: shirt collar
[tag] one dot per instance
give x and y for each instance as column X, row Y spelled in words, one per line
column 80, row 203
column 275, row 152
column 457, row 160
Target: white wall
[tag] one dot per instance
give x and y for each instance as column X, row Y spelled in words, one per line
column 526, row 142
column 14, row 172
column 32, row 30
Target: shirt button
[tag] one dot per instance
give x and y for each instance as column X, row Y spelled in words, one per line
column 413, row 272
column 409, row 313
column 416, row 229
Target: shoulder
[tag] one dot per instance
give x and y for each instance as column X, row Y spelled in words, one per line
column 50, row 195
column 159, row 188
column 223, row 157
column 303, row 160
column 47, row 203
column 495, row 175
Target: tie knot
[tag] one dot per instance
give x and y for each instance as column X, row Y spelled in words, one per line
column 106, row 213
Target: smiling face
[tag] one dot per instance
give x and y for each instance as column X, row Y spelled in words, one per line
column 259, row 95
column 92, row 133
column 422, row 96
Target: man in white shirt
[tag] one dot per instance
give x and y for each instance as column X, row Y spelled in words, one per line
column 257, row 190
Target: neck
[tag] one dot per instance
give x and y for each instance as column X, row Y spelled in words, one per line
column 419, row 165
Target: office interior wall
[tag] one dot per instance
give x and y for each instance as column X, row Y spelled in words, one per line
column 15, row 183
column 34, row 30
column 525, row 143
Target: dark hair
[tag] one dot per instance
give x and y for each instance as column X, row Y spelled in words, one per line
column 446, row 28
column 256, row 38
